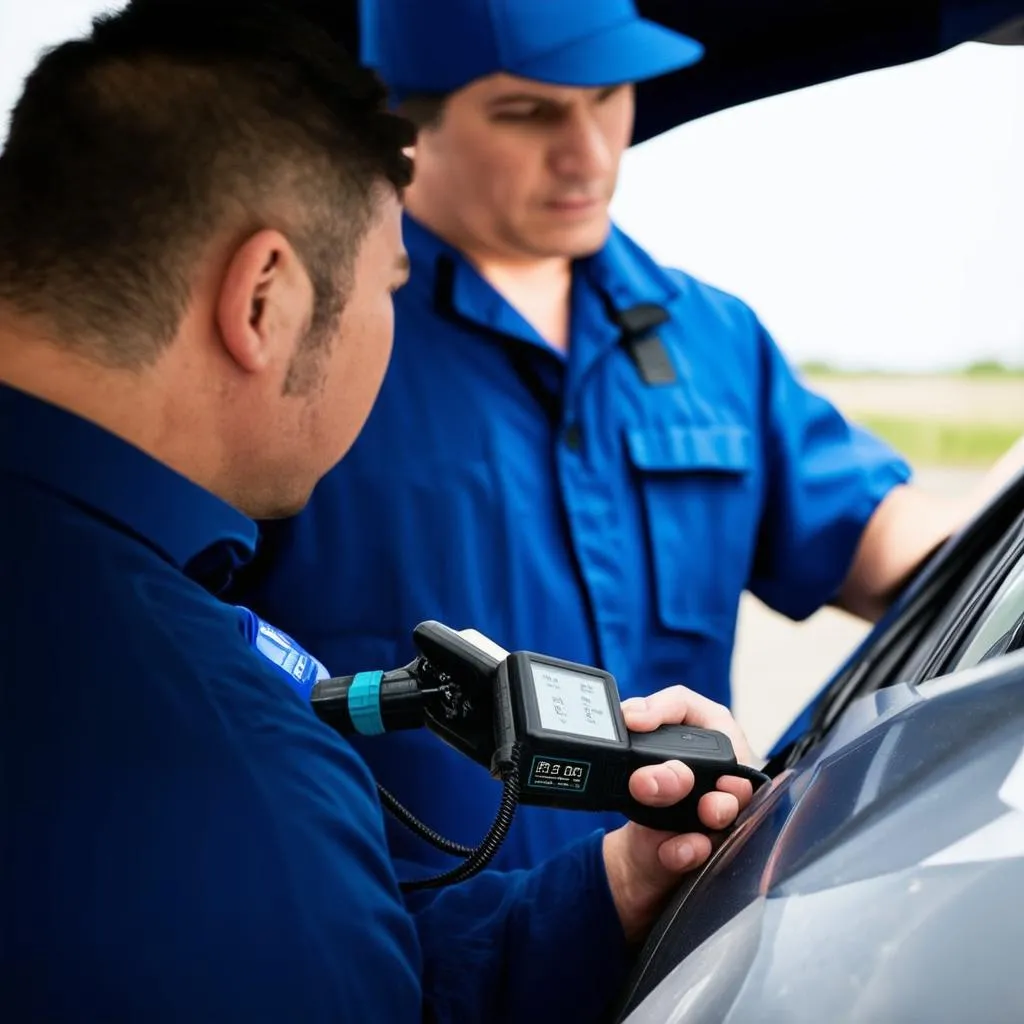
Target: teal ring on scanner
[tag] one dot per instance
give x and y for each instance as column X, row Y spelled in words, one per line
column 364, row 703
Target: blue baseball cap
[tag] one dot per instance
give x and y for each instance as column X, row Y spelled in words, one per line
column 437, row 46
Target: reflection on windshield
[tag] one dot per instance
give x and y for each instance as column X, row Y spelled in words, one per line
column 993, row 633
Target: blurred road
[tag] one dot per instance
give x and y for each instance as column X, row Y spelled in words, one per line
column 953, row 399
column 780, row 664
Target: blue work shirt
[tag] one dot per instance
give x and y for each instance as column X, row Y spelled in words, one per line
column 608, row 506
column 182, row 839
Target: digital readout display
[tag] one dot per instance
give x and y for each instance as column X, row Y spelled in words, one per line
column 572, row 702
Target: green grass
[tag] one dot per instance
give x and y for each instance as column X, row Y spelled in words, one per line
column 990, row 368
column 985, row 369
column 941, row 443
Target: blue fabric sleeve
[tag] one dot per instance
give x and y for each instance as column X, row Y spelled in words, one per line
column 539, row 945
column 542, row 946
column 825, row 478
column 235, row 868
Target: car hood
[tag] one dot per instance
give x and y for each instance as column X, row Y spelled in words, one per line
column 800, row 959
column 759, row 48
column 853, row 887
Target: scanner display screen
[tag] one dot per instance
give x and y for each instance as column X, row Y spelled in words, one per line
column 572, row 702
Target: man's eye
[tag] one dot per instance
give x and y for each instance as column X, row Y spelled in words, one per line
column 519, row 114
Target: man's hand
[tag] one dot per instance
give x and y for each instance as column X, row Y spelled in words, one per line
column 644, row 866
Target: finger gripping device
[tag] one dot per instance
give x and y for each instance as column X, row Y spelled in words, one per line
column 552, row 730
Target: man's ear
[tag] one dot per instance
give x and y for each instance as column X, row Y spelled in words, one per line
column 265, row 302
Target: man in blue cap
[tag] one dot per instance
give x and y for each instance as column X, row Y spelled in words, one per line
column 575, row 449
column 200, row 234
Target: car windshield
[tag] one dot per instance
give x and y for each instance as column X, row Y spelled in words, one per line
column 1001, row 626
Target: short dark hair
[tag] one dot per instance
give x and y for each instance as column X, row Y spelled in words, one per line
column 173, row 120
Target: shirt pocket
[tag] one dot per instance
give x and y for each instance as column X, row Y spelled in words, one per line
column 700, row 507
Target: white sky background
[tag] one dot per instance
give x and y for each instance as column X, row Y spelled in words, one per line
column 876, row 222
column 873, row 221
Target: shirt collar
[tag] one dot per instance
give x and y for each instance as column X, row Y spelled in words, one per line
column 621, row 271
column 627, row 275
column 192, row 528
column 453, row 287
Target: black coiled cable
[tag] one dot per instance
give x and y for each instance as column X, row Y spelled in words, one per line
column 476, row 859
column 424, row 832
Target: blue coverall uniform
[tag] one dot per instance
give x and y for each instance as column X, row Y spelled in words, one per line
column 183, row 839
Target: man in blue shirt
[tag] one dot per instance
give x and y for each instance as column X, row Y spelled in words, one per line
column 199, row 237
column 575, row 450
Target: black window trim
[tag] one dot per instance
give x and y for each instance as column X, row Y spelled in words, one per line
column 948, row 648
column 891, row 647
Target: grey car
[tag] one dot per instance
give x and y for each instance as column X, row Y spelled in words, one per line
column 880, row 877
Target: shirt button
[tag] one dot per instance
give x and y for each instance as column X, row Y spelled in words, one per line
column 573, row 437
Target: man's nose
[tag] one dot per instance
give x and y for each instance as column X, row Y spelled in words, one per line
column 581, row 149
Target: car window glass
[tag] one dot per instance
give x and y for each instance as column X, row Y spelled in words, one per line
column 995, row 631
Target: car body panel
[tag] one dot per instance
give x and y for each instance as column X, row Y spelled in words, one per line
column 880, row 876
column 791, row 961
column 870, row 881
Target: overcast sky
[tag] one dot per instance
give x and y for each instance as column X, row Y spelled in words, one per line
column 873, row 222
